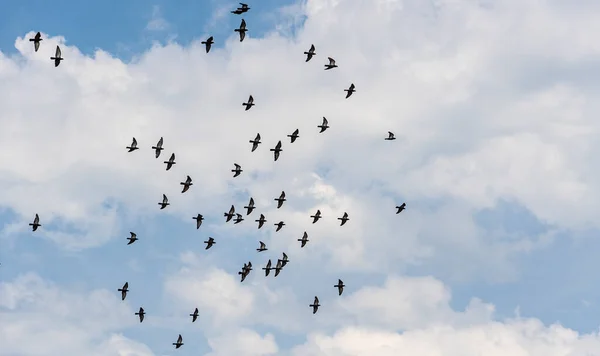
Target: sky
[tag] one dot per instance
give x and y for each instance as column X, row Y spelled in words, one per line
column 494, row 108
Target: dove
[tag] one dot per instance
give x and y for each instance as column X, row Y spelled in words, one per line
column 141, row 314
column 324, row 126
column 349, row 91
column 261, row 221
column 267, row 268
column 186, row 184
column 209, row 243
column 331, row 64
column 250, row 206
column 279, row 225
column 249, row 104
column 316, row 217
column 238, row 218
column 230, row 214
column 158, row 148
column 400, row 208
column 208, row 43
column 280, row 200
column 133, row 146
column 170, row 162
column 237, row 171
column 390, row 136
column 198, row 219
column 315, row 305
column 310, row 53
column 57, row 57
column 343, row 219
column 242, row 30
column 303, row 240
column 36, row 41
column 284, row 260
column 124, row 290
column 262, row 247
column 340, row 286
column 164, row 203
column 194, row 315
column 133, row 238
column 294, row 136
column 255, row 142
column 276, row 151
column 241, row 10
column 179, row 342
column 36, row 223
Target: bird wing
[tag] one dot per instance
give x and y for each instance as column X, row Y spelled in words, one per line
column 237, row 166
column 160, row 143
column 312, row 48
column 316, row 300
column 318, row 213
column 126, row 285
column 231, row 210
column 390, row 134
column 331, row 61
column 268, row 264
column 133, row 235
column 36, row 219
column 165, row 199
column 38, row 36
column 257, row 137
column 296, row 132
column 282, row 196
column 210, row 39
column 251, row 203
column 305, row 236
column 134, row 142
column 179, row 339
column 36, row 46
column 351, row 86
column 345, row 215
column 285, row 257
column 340, row 282
column 325, row 122
column 262, row 244
column 243, row 24
column 58, row 52
column 278, row 146
column 172, row 157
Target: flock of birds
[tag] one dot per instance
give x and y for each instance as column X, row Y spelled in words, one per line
column 232, row 214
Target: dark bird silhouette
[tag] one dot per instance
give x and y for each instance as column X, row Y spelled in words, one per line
column 179, row 342
column 279, row 225
column 36, row 223
column 186, row 184
column 262, row 247
column 294, row 136
column 194, row 315
column 390, row 136
column 280, row 200
column 36, row 41
column 267, row 268
column 208, row 43
column 250, row 103
column 245, row 271
column 276, row 151
column 343, row 219
column 170, row 162
column 237, row 171
column 209, row 243
column 310, row 53
column 349, row 91
column 340, row 286
column 141, row 314
column 133, row 238
column 241, row 10
column 284, row 260
column 255, row 142
column 242, row 30
column 133, row 146
column 198, row 219
column 238, row 219
column 315, row 305
column 324, row 126
column 400, row 208
column 230, row 214
column 261, row 221
column 331, row 64
column 164, row 202
column 316, row 217
column 250, row 207
column 124, row 290
column 158, row 148
column 278, row 268
column 304, row 239
column 57, row 57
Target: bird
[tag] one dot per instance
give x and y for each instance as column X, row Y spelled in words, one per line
column 164, row 202
column 343, row 219
column 316, row 217
column 186, row 184
column 294, row 136
column 198, row 219
column 304, row 239
column 278, row 268
column 261, row 221
column 310, row 53
column 284, row 260
column 350, row 90
column 158, row 147
column 400, row 208
column 36, row 223
column 324, row 126
column 250, row 103
column 255, row 142
column 279, row 225
column 36, row 41
column 124, row 290
column 237, row 171
column 242, row 30
column 208, row 43
column 230, row 214
column 133, row 146
column 141, row 313
column 241, row 10
column 133, row 238
column 194, row 315
column 276, row 151
column 390, row 137
column 331, row 64
column 238, row 219
column 245, row 271
column 267, row 268
column 57, row 57
column 340, row 286
column 315, row 305
column 209, row 243
column 179, row 342
column 250, row 206
column 170, row 162
column 262, row 247
column 280, row 200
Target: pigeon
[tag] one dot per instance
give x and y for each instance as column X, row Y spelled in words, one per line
column 340, row 286
column 170, row 162
column 293, row 136
column 310, row 53
column 303, row 240
column 198, row 219
column 262, row 247
column 343, row 219
column 179, row 342
column 242, row 30
column 133, row 238
column 316, row 217
column 279, row 225
column 186, row 184
column 245, row 271
column 280, row 200
column 57, row 57
column 276, row 151
column 133, row 146
column 261, row 221
column 238, row 219
column 315, row 305
column 208, row 43
column 36, row 41
column 237, row 171
column 400, row 208
column 124, row 290
column 230, row 214
column 195, row 315
column 268, row 268
column 209, row 243
column 255, row 142
column 390, row 136
column 36, row 223
column 331, row 64
column 350, row 90
column 250, row 206
column 324, row 126
column 284, row 260
column 278, row 268
column 158, row 147
column 250, row 103
column 141, row 313
column 241, row 10
column 164, row 203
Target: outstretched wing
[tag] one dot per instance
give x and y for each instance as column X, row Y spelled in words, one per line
column 325, row 122
column 243, row 24
column 160, row 143
column 331, row 61
column 312, row 48
column 58, row 52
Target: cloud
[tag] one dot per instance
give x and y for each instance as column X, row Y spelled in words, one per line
column 157, row 21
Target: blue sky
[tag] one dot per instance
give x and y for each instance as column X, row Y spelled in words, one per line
column 500, row 193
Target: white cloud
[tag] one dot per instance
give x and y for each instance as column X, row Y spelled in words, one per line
column 157, row 22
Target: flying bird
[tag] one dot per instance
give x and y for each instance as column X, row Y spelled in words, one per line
column 230, row 214
column 198, row 219
column 208, row 43
column 255, row 142
column 164, row 202
column 245, row 271
column 36, row 223
column 261, row 221
column 390, row 137
column 324, row 126
column 133, row 238
column 194, row 315
column 294, row 136
column 237, row 171
column 278, row 268
column 250, row 103
column 170, row 162
column 186, row 184
column 276, row 151
column 124, row 290
column 262, row 247
column 343, row 219
column 316, row 217
column 280, row 200
column 400, row 208
column 267, row 268
column 158, row 147
column 315, row 305
column 284, row 260
column 141, row 314
column 133, row 146
column 36, row 41
column 350, row 90
column 57, row 57
column 250, row 206
column 279, row 225
column 331, row 64
column 310, row 53
column 241, row 10
column 242, row 30
column 209, row 243
column 238, row 219
column 179, row 342
column 340, row 286
column 303, row 240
